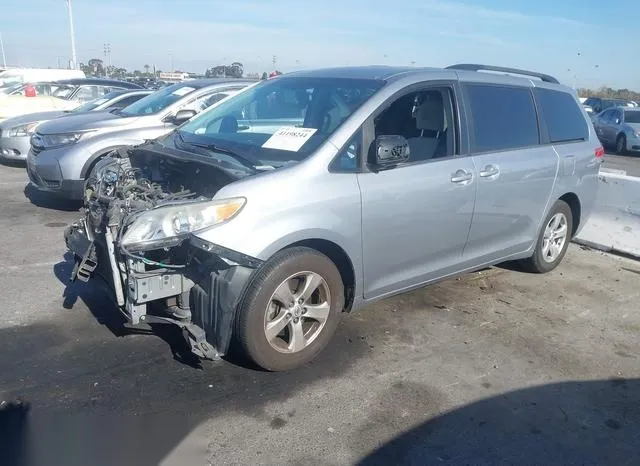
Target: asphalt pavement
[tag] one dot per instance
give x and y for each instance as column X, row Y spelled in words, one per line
column 628, row 163
column 496, row 367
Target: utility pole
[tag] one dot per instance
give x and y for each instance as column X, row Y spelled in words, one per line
column 74, row 60
column 4, row 58
column 274, row 62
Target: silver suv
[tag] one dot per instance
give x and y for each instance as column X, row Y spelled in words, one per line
column 63, row 151
column 318, row 192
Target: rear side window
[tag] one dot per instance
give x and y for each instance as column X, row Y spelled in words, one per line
column 503, row 118
column 562, row 116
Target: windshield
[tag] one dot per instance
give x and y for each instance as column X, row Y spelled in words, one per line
column 8, row 88
column 93, row 104
column 632, row 117
column 63, row 91
column 282, row 119
column 158, row 101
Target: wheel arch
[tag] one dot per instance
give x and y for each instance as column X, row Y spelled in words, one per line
column 573, row 200
column 340, row 258
column 91, row 162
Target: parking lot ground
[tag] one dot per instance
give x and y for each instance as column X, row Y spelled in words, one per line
column 494, row 367
column 627, row 163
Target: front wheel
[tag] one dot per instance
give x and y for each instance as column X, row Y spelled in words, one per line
column 553, row 240
column 621, row 144
column 290, row 310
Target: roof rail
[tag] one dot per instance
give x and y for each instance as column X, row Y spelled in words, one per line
column 473, row 67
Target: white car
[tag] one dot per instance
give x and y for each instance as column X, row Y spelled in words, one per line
column 59, row 95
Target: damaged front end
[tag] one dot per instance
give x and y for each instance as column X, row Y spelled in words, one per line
column 142, row 206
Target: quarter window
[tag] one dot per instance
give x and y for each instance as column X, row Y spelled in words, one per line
column 565, row 122
column 348, row 159
column 503, row 117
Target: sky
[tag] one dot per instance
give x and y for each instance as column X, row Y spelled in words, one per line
column 586, row 43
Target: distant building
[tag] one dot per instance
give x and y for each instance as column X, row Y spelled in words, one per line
column 173, row 77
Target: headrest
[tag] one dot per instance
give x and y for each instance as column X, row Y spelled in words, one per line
column 430, row 114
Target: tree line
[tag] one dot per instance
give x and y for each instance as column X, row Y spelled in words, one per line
column 609, row 93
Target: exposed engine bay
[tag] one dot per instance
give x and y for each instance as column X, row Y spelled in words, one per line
column 179, row 279
column 137, row 180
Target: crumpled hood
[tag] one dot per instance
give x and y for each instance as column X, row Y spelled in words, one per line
column 31, row 118
column 85, row 122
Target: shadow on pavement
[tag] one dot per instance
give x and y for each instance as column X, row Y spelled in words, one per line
column 49, row 201
column 95, row 400
column 106, row 313
column 13, row 163
column 572, row 423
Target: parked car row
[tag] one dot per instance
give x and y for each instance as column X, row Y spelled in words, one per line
column 16, row 132
column 595, row 105
column 57, row 95
column 260, row 211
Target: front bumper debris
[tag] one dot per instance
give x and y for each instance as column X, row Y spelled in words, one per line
column 210, row 286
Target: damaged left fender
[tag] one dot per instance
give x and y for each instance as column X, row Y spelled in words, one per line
column 216, row 295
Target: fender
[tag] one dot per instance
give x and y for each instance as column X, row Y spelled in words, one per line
column 95, row 157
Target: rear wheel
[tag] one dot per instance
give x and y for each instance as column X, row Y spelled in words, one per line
column 621, row 144
column 553, row 240
column 290, row 310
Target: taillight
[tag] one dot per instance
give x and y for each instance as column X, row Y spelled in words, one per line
column 599, row 152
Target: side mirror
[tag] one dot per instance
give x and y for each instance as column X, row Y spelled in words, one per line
column 182, row 116
column 617, row 121
column 391, row 150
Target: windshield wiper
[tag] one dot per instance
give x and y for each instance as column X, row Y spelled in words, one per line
column 220, row 149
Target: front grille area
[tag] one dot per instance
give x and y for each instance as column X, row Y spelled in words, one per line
column 53, row 184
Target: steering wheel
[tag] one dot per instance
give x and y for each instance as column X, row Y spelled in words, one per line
column 326, row 123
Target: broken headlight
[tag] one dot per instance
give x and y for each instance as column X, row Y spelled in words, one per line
column 163, row 224
column 23, row 130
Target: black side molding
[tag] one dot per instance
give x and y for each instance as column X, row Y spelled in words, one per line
column 474, row 67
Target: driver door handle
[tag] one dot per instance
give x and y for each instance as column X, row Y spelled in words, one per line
column 461, row 176
column 489, row 170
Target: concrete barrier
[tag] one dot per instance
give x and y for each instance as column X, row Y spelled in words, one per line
column 614, row 224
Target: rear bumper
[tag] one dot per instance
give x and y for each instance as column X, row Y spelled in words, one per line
column 213, row 283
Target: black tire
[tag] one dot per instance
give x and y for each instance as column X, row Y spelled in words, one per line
column 537, row 263
column 250, row 319
column 621, row 144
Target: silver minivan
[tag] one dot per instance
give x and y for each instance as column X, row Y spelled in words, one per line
column 315, row 193
column 63, row 151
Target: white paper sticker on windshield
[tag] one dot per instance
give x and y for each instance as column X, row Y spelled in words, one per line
column 183, row 90
column 290, row 138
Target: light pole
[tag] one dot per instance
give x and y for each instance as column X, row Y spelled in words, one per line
column 74, row 60
column 4, row 58
column 107, row 55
